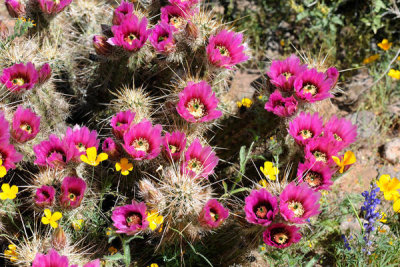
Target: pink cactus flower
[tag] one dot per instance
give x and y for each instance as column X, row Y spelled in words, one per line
column 298, row 203
column 261, row 207
column 213, row 214
column 15, row 8
column 175, row 16
column 332, row 74
column 121, row 122
column 184, row 4
column 281, row 106
column 321, row 149
column 341, row 131
column 283, row 73
column 20, row 77
column 174, row 144
column 44, row 196
column 4, row 128
column 81, row 138
column 110, row 147
column 72, row 192
column 52, row 259
column 122, row 12
column 101, row 45
column 199, row 161
column 130, row 219
column 44, row 73
column 143, row 141
column 198, row 103
column 317, row 175
column 51, row 7
column 225, row 49
column 53, row 153
column 162, row 38
column 281, row 235
column 25, row 125
column 305, row 127
column 8, row 155
column 131, row 34
column 312, row 86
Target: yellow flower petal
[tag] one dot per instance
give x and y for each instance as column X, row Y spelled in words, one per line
column 91, row 153
column 5, row 188
column 396, row 206
column 349, row 158
column 14, row 190
column 56, row 216
column 117, row 166
column 45, row 220
column 337, row 160
column 159, row 219
column 102, row 157
column 3, row 196
column 3, row 171
column 124, row 161
column 54, row 224
column 47, row 213
column 85, row 159
column 1, row 162
column 126, row 172
column 153, row 226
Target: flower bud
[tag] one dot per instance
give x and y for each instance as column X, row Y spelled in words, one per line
column 15, row 8
column 44, row 73
column 101, row 45
column 192, row 30
column 59, row 239
column 3, row 31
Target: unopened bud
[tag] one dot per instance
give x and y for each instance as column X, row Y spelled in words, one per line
column 192, row 30
column 44, row 73
column 101, row 45
column 59, row 239
column 3, row 30
column 15, row 8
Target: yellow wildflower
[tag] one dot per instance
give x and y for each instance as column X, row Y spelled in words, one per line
column 246, row 102
column 11, row 253
column 395, row 74
column 3, row 170
column 77, row 224
column 383, row 217
column 154, row 219
column 348, row 159
column 51, row 219
column 124, row 166
column 263, row 247
column 8, row 192
column 309, row 243
column 269, row 170
column 109, row 231
column 371, row 59
column 112, row 250
column 263, row 183
column 398, row 58
column 282, row 42
column 389, row 187
column 385, row 45
column 92, row 158
column 153, row 265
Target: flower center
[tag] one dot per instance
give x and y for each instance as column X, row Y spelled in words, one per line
column 46, row 194
column 195, row 165
column 223, row 51
column 176, row 21
column 162, row 38
column 287, row 75
column 320, row 156
column 306, row 134
column 141, row 144
column 120, row 123
column 56, row 2
column 310, row 88
column 261, row 210
column 72, row 196
column 313, row 179
column 130, row 38
column 173, row 149
column 26, row 127
column 280, row 238
column 134, row 219
column 337, row 137
column 18, row 81
column 81, row 147
column 196, row 108
column 214, row 215
column 296, row 207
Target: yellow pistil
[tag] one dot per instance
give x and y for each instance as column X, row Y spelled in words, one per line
column 395, row 74
column 72, row 196
column 196, row 108
column 92, row 158
column 310, row 88
column 296, row 207
column 280, row 238
column 287, row 75
column 177, row 21
column 385, row 44
column 348, row 159
column 269, row 170
column 130, row 38
column 141, row 144
column 246, row 102
column 313, row 179
column 124, row 166
column 173, row 149
column 18, row 81
column 3, row 170
column 371, row 59
column 319, row 156
column 81, row 147
column 223, row 51
column 306, row 134
column 154, row 219
column 195, row 166
column 8, row 192
column 50, row 218
column 26, row 127
column 389, row 187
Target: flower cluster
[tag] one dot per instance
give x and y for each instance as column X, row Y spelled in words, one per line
column 370, row 215
column 52, row 258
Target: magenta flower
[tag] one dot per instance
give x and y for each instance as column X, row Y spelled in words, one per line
column 280, row 106
column 261, row 207
column 131, row 34
column 312, row 86
column 25, row 125
column 332, row 74
column 121, row 122
column 305, row 127
column 321, row 149
column 44, row 196
column 4, row 128
column 130, row 219
column 281, row 235
column 283, row 73
column 51, row 7
column 52, row 259
column 174, row 144
column 101, row 45
column 162, row 38
column 298, row 203
column 8, row 155
column 184, row 4
column 341, row 131
column 122, row 12
column 72, row 192
column 53, row 152
column 81, row 138
column 199, row 161
column 225, row 49
column 143, row 141
column 316, row 175
column 44, row 73
column 94, row 263
column 174, row 16
column 20, row 77
column 198, row 103
column 15, row 8
column 213, row 214
column 110, row 147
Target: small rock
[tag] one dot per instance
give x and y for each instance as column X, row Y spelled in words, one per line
column 391, row 151
column 366, row 123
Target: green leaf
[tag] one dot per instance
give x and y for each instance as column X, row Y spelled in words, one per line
column 239, row 190
column 116, row 257
column 225, row 186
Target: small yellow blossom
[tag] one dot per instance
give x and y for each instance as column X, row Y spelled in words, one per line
column 153, row 265
column 389, row 187
column 263, row 248
column 77, row 224
column 391, row 243
column 385, row 45
column 92, row 158
column 124, row 166
column 371, row 59
column 3, row 170
column 383, row 217
column 395, row 74
column 398, row 58
column 269, row 170
column 246, row 102
column 260, row 97
column 282, row 42
column 11, row 253
column 8, row 192
column 309, row 243
column 112, row 250
column 51, row 219
column 263, row 183
column 109, row 231
column 348, row 159
column 154, row 219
